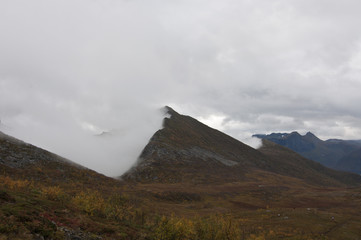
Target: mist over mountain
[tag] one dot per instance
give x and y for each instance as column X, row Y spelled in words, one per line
column 80, row 86
column 21, row 159
column 80, row 141
column 185, row 150
column 187, row 175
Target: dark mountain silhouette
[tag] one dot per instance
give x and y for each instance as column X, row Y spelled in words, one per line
column 186, row 150
column 327, row 152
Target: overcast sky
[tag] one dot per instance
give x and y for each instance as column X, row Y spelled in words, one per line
column 70, row 69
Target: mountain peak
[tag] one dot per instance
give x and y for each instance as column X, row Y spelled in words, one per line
column 311, row 136
column 169, row 110
column 187, row 151
column 295, row 133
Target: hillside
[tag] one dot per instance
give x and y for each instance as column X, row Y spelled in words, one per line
column 351, row 162
column 35, row 164
column 327, row 152
column 186, row 150
column 45, row 196
column 190, row 170
column 301, row 167
column 191, row 182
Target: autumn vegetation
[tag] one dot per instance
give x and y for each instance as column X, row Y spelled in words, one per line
column 193, row 183
column 29, row 208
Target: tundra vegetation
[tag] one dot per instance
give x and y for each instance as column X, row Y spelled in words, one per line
column 191, row 182
column 152, row 211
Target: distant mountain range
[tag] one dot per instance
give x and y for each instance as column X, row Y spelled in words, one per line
column 335, row 153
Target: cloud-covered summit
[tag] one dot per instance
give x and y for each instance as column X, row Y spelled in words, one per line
column 246, row 66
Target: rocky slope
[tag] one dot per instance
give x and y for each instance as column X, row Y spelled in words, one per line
column 186, row 150
column 22, row 159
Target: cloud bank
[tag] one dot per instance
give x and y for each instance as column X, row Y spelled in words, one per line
column 72, row 69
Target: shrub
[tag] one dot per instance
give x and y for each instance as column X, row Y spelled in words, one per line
column 213, row 228
column 90, row 202
column 14, row 184
column 53, row 193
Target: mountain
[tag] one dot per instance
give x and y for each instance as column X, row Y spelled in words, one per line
column 186, row 150
column 351, row 162
column 189, row 169
column 191, row 182
column 22, row 159
column 296, row 165
column 45, row 196
column 327, row 152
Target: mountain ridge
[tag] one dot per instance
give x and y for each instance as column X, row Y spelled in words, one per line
column 328, row 152
column 187, row 150
column 208, row 185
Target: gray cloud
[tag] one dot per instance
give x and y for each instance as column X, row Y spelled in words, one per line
column 70, row 69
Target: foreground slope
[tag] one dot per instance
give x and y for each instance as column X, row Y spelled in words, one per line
column 186, row 150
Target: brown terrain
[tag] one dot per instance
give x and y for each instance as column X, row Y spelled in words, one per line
column 191, row 182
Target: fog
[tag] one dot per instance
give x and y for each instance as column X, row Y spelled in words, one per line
column 70, row 70
column 110, row 153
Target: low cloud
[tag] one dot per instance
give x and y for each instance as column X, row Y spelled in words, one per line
column 254, row 142
column 111, row 154
column 69, row 69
